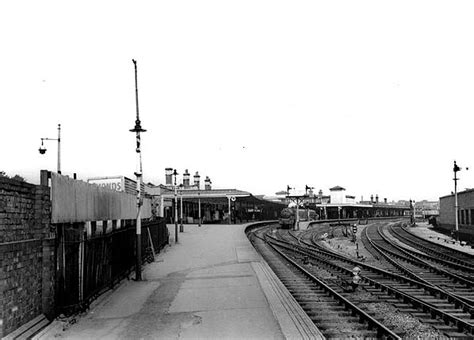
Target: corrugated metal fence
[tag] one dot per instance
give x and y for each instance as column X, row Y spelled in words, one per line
column 78, row 201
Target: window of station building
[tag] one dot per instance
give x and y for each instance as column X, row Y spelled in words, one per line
column 472, row 214
column 462, row 216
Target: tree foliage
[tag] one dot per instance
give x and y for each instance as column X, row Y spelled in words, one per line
column 16, row 177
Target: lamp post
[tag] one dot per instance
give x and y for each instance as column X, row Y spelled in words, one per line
column 197, row 183
column 42, row 149
column 137, row 129
column 199, row 206
column 181, row 228
column 175, row 173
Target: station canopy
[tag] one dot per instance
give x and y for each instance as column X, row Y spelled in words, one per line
column 215, row 196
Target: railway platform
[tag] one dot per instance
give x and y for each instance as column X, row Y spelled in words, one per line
column 211, row 284
column 424, row 230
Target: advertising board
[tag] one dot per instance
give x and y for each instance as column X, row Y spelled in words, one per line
column 112, row 183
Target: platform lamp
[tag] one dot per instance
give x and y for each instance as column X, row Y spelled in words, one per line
column 181, row 228
column 139, row 174
column 198, row 184
column 175, row 173
column 42, row 149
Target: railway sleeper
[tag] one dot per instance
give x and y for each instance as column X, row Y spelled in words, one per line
column 348, row 334
column 299, row 292
column 448, row 307
column 436, row 323
column 335, row 305
column 305, row 296
column 463, row 316
column 457, row 335
column 446, row 328
column 326, row 313
column 353, row 324
column 306, row 291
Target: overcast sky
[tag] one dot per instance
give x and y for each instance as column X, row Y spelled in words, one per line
column 375, row 96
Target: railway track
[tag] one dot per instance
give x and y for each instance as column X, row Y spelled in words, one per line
column 331, row 312
column 416, row 266
column 460, row 263
column 445, row 312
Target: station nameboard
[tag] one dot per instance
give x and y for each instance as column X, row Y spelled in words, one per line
column 113, row 183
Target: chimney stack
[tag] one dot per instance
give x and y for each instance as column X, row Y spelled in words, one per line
column 371, row 198
column 186, row 178
column 197, row 180
column 207, row 183
column 168, row 174
column 385, row 200
column 377, row 198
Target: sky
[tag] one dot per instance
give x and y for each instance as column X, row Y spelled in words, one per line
column 373, row 96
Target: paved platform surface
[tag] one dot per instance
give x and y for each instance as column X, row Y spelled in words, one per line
column 211, row 285
column 425, row 230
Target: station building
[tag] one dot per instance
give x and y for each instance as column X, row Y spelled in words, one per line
column 212, row 205
column 339, row 205
column 194, row 202
column 447, row 217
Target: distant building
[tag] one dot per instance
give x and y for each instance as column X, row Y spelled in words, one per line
column 212, row 205
column 338, row 196
column 339, row 205
column 426, row 209
column 447, row 217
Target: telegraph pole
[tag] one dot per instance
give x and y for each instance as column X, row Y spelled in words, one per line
column 137, row 129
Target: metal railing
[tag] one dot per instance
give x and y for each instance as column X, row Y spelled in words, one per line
column 90, row 265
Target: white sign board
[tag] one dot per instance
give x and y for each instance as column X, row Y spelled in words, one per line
column 113, row 183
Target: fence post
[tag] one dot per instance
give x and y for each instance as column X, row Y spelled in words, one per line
column 81, row 264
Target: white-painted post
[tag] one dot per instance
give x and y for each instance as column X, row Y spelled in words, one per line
column 199, row 207
column 181, row 228
column 297, row 219
column 230, row 211
column 175, row 208
column 162, row 206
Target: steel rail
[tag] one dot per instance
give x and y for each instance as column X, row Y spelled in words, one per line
column 425, row 264
column 428, row 287
column 437, row 245
column 432, row 255
column 434, row 312
column 382, row 330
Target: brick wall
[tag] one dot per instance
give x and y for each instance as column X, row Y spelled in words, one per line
column 26, row 254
